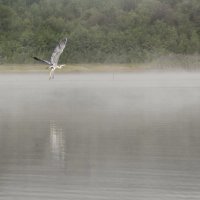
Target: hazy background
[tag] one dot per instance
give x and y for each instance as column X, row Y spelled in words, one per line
column 116, row 136
column 101, row 31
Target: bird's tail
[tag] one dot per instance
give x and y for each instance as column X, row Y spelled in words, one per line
column 41, row 60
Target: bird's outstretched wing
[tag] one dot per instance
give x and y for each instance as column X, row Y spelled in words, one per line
column 44, row 61
column 57, row 51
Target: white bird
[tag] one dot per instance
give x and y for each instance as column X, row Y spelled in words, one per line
column 53, row 63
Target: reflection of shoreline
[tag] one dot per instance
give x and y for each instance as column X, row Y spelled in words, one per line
column 57, row 142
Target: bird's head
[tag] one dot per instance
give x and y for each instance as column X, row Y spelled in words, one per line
column 61, row 66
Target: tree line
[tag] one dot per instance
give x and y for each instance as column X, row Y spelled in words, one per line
column 115, row 31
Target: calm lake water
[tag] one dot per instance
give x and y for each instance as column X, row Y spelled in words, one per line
column 100, row 136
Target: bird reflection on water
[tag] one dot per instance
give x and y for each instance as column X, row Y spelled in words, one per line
column 57, row 142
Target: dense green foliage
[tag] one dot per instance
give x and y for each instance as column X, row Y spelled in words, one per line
column 98, row 30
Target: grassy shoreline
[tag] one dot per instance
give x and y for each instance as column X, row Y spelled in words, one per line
column 11, row 68
column 167, row 62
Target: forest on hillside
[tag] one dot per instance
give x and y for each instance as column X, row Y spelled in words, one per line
column 98, row 31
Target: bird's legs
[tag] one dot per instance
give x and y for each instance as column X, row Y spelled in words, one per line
column 51, row 74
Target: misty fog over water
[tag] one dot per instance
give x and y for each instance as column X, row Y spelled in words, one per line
column 100, row 136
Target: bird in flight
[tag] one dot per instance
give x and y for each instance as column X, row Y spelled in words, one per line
column 53, row 63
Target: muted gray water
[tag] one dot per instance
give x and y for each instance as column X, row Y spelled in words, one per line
column 100, row 136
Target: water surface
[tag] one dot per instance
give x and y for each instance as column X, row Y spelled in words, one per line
column 100, row 136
